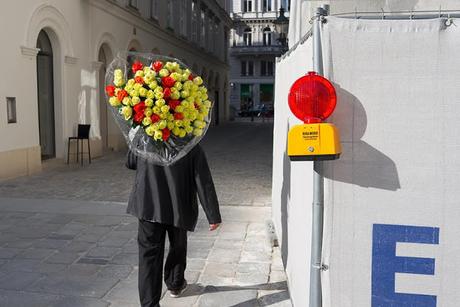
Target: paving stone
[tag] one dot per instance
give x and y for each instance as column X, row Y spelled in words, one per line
column 14, row 298
column 63, row 257
column 83, row 269
column 123, row 258
column 255, row 256
column 31, row 265
column 77, row 247
column 195, row 264
column 228, row 244
column 72, row 301
column 76, row 285
column 51, row 243
column 224, row 255
column 124, row 291
column 35, row 253
column 274, row 298
column 115, row 271
column 9, row 253
column 103, row 252
column 227, row 298
column 19, row 281
column 97, row 261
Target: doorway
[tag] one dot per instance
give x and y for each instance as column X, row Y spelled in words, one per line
column 102, row 103
column 45, row 89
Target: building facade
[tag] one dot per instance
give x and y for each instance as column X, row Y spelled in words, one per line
column 55, row 56
column 254, row 45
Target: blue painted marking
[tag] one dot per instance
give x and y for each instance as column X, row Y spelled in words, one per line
column 385, row 264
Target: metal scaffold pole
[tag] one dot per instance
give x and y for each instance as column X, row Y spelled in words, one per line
column 318, row 181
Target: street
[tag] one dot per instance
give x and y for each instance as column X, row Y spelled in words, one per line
column 66, row 240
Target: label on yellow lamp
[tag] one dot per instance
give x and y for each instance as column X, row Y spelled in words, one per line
column 310, row 142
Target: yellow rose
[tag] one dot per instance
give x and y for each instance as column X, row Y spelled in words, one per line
column 148, row 112
column 156, row 110
column 200, row 116
column 149, row 102
column 126, row 101
column 176, row 131
column 198, row 123
column 147, row 70
column 139, row 73
column 178, row 85
column 114, row 102
column 171, row 125
column 118, row 72
column 127, row 112
column 175, row 95
column 182, row 133
column 131, row 82
column 160, row 102
column 146, row 121
column 118, row 82
column 142, row 92
column 150, row 130
column 176, row 76
column 179, row 109
column 188, row 129
column 134, row 93
column 164, row 73
column 162, row 124
column 165, row 109
column 158, row 135
column 178, row 123
column 150, row 94
column 135, row 100
column 153, row 85
column 187, row 85
column 184, row 93
column 185, row 103
column 159, row 95
column 207, row 104
column 137, row 86
column 197, row 132
column 197, row 80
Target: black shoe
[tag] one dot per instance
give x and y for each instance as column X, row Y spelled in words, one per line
column 178, row 292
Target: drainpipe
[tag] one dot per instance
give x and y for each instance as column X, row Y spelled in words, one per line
column 318, row 180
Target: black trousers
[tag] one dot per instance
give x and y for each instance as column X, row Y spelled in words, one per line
column 151, row 239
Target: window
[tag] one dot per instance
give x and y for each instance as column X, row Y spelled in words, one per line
column 286, row 5
column 247, row 68
column 194, row 21
column 183, row 17
column 267, row 5
column 266, row 68
column 11, row 109
column 247, row 37
column 203, row 27
column 267, row 37
column 133, row 3
column 170, row 16
column 154, row 9
column 247, row 6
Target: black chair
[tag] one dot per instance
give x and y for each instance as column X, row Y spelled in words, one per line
column 82, row 134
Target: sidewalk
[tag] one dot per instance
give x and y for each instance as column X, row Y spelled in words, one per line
column 65, row 239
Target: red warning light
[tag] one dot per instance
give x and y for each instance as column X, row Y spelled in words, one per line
column 312, row 98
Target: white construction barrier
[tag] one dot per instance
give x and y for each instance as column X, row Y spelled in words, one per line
column 392, row 202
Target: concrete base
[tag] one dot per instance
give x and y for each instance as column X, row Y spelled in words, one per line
column 20, row 162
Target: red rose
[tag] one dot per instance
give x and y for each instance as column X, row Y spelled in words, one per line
column 137, row 66
column 110, row 90
column 155, row 118
column 139, row 79
column 178, row 116
column 167, row 92
column 166, row 134
column 191, row 77
column 173, row 104
column 168, row 81
column 139, row 108
column 122, row 94
column 138, row 117
column 157, row 65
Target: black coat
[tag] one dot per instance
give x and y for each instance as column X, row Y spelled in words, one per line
column 168, row 194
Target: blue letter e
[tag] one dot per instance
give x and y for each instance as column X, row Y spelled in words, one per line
column 385, row 264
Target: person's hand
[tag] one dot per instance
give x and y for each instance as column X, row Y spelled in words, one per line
column 213, row 226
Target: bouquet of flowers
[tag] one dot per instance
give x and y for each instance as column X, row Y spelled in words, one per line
column 161, row 106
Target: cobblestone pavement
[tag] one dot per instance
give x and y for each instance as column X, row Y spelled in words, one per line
column 65, row 239
column 239, row 155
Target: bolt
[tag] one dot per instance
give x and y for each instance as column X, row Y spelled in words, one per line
column 311, row 149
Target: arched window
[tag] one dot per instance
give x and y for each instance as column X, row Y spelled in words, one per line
column 247, row 37
column 267, row 36
column 286, row 5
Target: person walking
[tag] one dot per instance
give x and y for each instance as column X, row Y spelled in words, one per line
column 164, row 199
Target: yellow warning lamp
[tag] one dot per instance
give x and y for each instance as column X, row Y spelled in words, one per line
column 312, row 99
